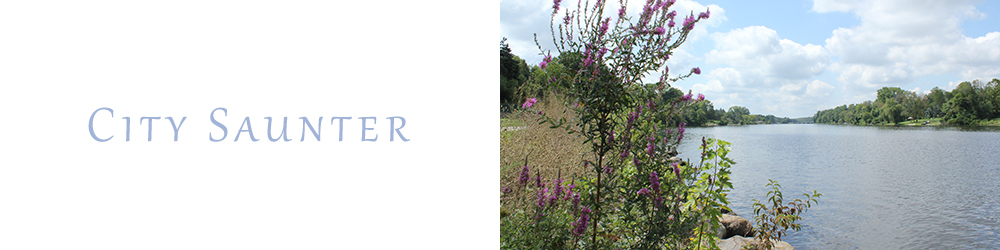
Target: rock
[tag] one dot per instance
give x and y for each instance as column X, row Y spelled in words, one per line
column 721, row 232
column 734, row 243
column 739, row 242
column 736, row 225
column 726, row 211
column 781, row 245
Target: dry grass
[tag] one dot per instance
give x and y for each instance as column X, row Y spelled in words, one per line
column 549, row 151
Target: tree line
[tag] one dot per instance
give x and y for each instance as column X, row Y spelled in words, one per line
column 704, row 113
column 518, row 80
column 970, row 103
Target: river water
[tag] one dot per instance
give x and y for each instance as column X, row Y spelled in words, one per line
column 883, row 187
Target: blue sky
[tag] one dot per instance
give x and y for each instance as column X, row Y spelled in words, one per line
column 796, row 57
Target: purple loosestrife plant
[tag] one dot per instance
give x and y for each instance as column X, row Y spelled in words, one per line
column 644, row 191
column 523, row 180
column 541, row 197
column 654, row 182
column 621, row 117
column 528, row 102
column 581, row 223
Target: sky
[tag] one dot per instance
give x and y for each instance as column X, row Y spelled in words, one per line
column 793, row 58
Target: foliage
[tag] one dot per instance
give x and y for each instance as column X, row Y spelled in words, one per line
column 970, row 103
column 639, row 194
column 775, row 217
column 513, row 72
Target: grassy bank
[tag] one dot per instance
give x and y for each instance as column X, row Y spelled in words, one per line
column 550, row 152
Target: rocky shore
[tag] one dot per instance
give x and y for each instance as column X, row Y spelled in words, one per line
column 737, row 232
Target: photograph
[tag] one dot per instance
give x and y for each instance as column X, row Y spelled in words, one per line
column 704, row 124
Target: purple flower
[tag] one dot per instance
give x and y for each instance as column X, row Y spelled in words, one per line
column 528, row 103
column 677, row 170
column 505, row 190
column 632, row 116
column 569, row 190
column 580, row 226
column 538, row 180
column 558, row 189
column 524, row 176
column 545, row 61
column 685, row 98
column 541, row 197
column 705, row 14
column 604, row 26
column 552, row 199
column 689, row 23
column 658, row 201
column 576, row 203
column 672, row 14
column 654, row 181
column 566, row 21
column 701, row 97
column 671, row 23
column 643, row 191
column 680, row 131
column 555, row 6
column 696, row 70
column 621, row 13
column 665, row 4
column 659, row 30
column 649, row 148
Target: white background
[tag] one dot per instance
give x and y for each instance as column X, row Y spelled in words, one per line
column 427, row 62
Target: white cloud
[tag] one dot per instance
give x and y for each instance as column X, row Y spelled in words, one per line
column 824, row 6
column 818, row 88
column 899, row 40
column 771, row 74
column 764, row 58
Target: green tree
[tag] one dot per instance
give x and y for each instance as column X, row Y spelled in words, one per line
column 886, row 93
column 736, row 113
column 966, row 106
column 936, row 101
column 513, row 72
column 891, row 112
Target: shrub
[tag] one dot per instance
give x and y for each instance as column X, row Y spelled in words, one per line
column 774, row 218
column 635, row 193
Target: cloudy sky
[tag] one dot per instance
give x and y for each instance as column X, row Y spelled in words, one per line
column 794, row 58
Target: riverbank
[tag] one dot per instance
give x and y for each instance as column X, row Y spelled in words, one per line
column 929, row 122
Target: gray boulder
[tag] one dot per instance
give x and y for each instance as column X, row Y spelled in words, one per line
column 736, row 225
column 734, row 243
column 738, row 242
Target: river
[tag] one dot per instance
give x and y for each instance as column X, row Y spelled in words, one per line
column 883, row 187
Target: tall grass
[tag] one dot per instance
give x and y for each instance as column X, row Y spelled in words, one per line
column 550, row 152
